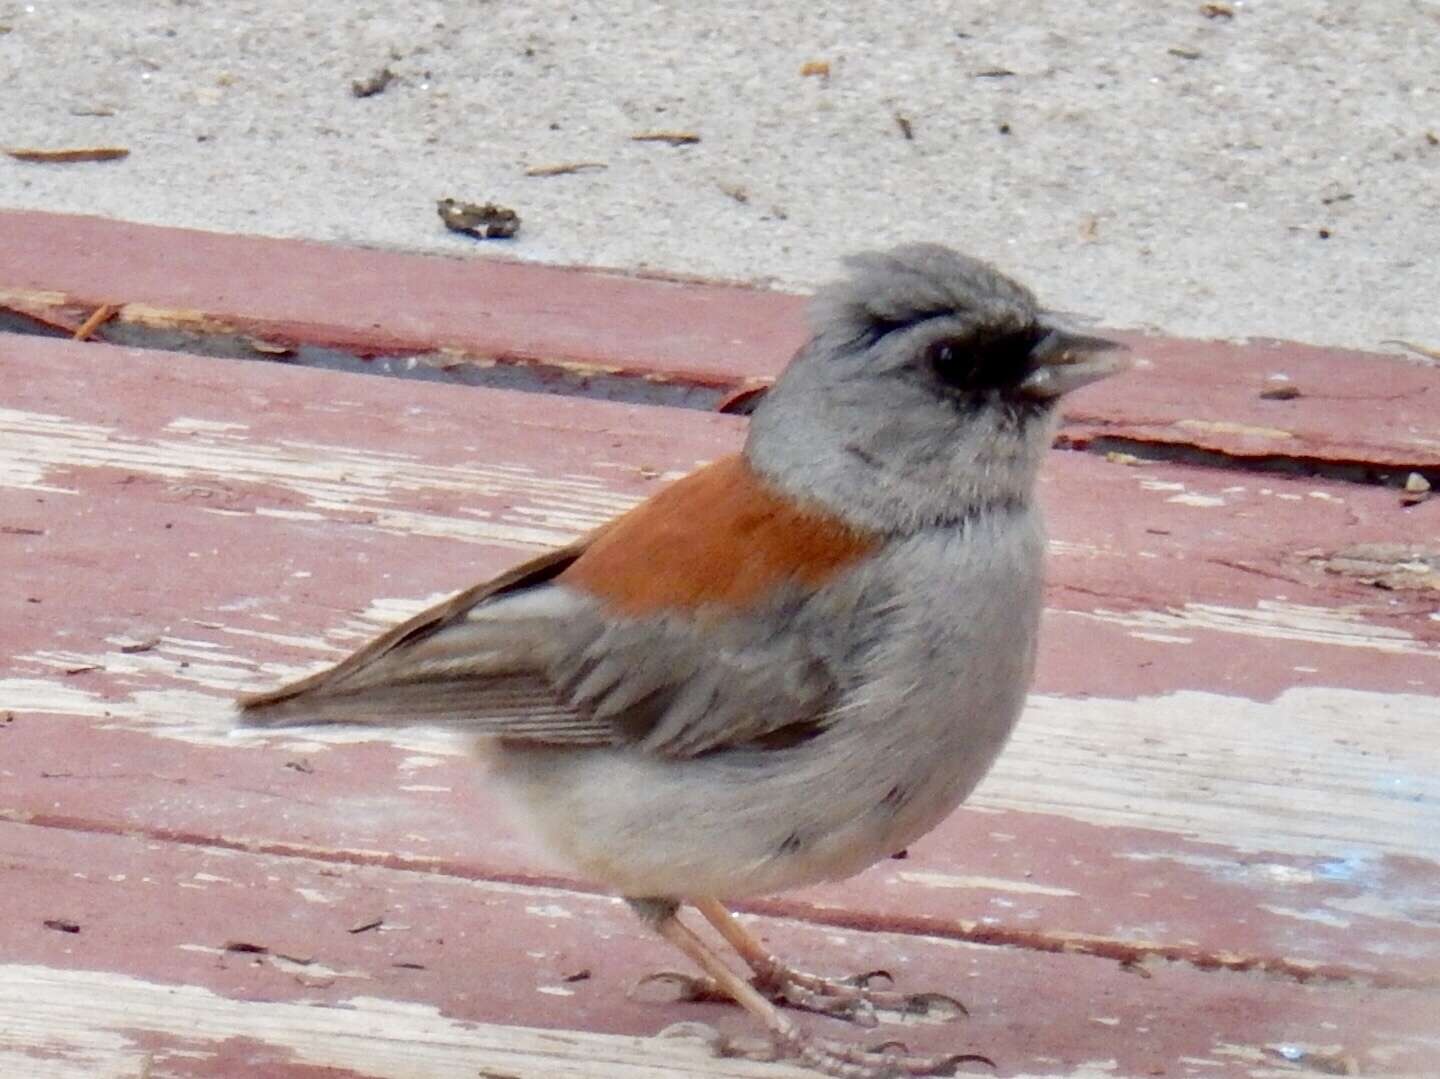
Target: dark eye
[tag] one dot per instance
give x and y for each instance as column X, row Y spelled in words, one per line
column 952, row 361
column 983, row 362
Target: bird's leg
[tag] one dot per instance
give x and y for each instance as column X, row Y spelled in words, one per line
column 831, row 1058
column 852, row 998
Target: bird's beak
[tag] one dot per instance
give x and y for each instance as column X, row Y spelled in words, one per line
column 1067, row 360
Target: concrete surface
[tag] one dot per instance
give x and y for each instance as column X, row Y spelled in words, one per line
column 1273, row 171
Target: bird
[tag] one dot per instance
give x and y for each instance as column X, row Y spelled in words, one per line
column 787, row 665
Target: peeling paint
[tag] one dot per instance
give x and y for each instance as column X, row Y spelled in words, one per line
column 1077, row 757
column 1226, row 427
column 1318, row 916
column 342, row 481
column 549, row 910
column 993, row 884
column 1192, row 499
column 1309, row 779
column 190, row 424
column 1271, row 619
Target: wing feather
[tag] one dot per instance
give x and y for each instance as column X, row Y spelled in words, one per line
column 673, row 649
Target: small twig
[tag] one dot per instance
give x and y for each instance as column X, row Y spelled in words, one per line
column 69, row 154
column 102, row 314
column 565, row 169
column 674, row 138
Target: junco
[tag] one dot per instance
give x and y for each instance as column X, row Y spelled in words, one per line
column 791, row 663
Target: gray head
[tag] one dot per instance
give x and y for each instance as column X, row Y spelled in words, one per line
column 925, row 394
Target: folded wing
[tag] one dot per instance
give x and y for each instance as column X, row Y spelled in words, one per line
column 667, row 631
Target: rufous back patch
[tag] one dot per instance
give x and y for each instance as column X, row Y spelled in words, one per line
column 722, row 537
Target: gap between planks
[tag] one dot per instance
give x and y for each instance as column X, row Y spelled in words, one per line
column 153, row 329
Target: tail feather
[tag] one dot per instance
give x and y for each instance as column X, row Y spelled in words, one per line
column 451, row 705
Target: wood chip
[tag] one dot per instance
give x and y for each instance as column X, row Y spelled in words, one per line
column 566, row 169
column 102, row 314
column 674, row 138
column 995, row 73
column 1281, row 392
column 67, row 155
column 1217, row 11
column 62, row 925
column 375, row 84
column 907, row 130
column 1415, row 491
column 484, row 221
column 820, row 68
column 244, row 947
column 132, row 645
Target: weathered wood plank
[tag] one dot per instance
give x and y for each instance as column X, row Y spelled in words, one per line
column 1351, row 409
column 210, row 962
column 379, row 303
column 1250, row 782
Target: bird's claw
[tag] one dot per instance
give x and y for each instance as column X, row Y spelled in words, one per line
column 678, row 988
column 855, row 999
column 888, row 1060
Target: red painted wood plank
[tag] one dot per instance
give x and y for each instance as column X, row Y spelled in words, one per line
column 281, row 501
column 270, row 931
column 1353, row 408
column 495, row 470
column 1349, row 407
column 380, row 303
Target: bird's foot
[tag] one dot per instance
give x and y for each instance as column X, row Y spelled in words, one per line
column 888, row 1060
column 856, row 1000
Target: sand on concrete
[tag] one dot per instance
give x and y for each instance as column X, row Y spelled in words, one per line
column 1249, row 168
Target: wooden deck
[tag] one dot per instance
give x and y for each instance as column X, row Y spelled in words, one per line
column 1212, row 850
